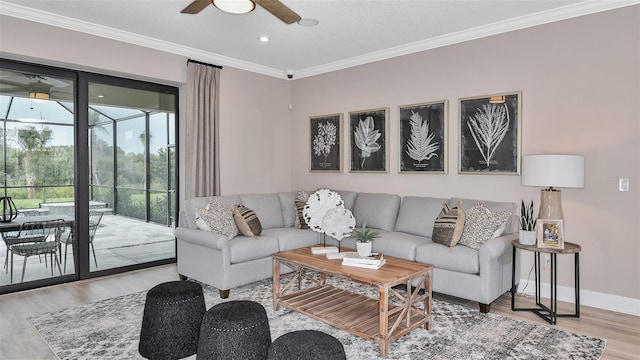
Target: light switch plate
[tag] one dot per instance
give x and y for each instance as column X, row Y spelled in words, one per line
column 623, row 184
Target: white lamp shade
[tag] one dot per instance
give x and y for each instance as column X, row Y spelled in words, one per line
column 553, row 170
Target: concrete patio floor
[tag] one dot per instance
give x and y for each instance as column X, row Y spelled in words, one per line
column 119, row 241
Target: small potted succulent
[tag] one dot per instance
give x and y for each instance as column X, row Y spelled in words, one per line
column 364, row 236
column 527, row 224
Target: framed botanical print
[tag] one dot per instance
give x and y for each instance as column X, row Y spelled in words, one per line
column 423, row 137
column 326, row 143
column 369, row 140
column 550, row 233
column 490, row 134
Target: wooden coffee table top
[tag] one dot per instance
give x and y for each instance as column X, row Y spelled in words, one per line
column 394, row 271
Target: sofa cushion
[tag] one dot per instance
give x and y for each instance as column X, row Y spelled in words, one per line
column 288, row 207
column 398, row 244
column 243, row 248
column 267, row 207
column 191, row 204
column 462, row 259
column 511, row 226
column 247, row 221
column 378, row 210
column 349, row 198
column 217, row 217
column 292, row 238
column 448, row 226
column 481, row 225
column 417, row 215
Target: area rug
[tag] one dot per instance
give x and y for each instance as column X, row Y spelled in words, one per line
column 109, row 329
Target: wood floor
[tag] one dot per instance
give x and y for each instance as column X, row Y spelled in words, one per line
column 18, row 339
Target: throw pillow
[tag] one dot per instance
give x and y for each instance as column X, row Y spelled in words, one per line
column 481, row 225
column 448, row 226
column 301, row 201
column 247, row 221
column 217, row 217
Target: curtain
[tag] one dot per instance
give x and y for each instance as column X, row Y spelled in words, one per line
column 202, row 157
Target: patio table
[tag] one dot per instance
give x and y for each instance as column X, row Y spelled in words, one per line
column 15, row 224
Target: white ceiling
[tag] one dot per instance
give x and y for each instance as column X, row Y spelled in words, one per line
column 350, row 32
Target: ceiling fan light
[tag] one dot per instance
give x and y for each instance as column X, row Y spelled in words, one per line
column 38, row 95
column 235, row 6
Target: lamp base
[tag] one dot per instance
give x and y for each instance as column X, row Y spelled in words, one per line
column 550, row 204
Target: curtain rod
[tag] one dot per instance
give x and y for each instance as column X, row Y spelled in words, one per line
column 203, row 63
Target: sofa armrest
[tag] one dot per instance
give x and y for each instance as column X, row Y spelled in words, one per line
column 496, row 247
column 204, row 238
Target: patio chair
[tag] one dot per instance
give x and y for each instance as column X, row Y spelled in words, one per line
column 38, row 238
column 94, row 221
column 11, row 237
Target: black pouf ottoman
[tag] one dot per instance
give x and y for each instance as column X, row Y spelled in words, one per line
column 236, row 329
column 173, row 313
column 306, row 345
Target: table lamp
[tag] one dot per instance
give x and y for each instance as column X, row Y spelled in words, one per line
column 551, row 171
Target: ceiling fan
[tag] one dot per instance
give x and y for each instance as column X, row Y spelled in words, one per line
column 276, row 7
column 29, row 85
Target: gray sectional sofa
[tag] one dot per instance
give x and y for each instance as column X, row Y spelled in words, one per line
column 405, row 226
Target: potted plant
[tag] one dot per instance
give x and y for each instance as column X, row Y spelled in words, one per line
column 364, row 237
column 527, row 224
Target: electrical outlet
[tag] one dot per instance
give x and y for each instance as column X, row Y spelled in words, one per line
column 547, row 261
column 623, row 184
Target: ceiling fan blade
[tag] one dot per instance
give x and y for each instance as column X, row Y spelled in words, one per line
column 196, row 6
column 280, row 10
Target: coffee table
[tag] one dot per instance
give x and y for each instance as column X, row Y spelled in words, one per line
column 372, row 319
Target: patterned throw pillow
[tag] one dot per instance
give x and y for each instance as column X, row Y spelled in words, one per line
column 247, row 221
column 301, row 201
column 481, row 225
column 448, row 226
column 217, row 217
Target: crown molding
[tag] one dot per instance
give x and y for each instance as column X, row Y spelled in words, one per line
column 544, row 17
column 523, row 22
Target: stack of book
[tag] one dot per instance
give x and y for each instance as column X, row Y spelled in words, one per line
column 324, row 250
column 375, row 261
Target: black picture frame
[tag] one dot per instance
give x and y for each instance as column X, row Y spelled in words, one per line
column 325, row 143
column 369, row 154
column 490, row 134
column 423, row 137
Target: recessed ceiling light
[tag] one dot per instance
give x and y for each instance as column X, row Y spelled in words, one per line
column 264, row 38
column 307, row 22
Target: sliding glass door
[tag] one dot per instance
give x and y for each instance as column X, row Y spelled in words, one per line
column 98, row 152
column 38, row 164
column 132, row 159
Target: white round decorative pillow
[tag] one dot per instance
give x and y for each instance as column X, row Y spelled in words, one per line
column 317, row 206
column 339, row 223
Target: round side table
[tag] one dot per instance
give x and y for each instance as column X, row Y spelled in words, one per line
column 548, row 313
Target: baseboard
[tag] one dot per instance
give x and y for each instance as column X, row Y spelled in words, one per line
column 594, row 299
